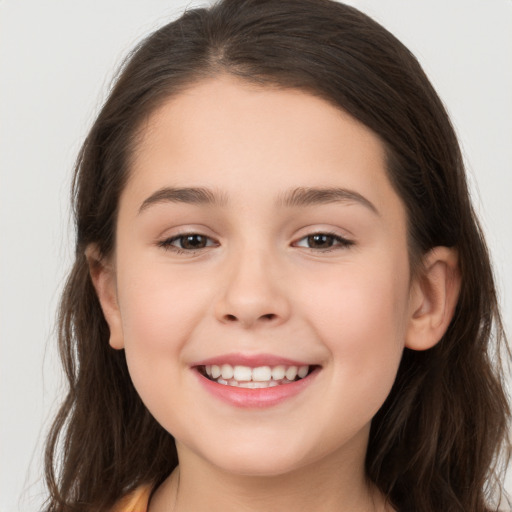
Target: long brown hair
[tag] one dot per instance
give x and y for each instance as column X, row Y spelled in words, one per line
column 435, row 442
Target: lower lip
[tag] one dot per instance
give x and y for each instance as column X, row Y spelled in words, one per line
column 256, row 398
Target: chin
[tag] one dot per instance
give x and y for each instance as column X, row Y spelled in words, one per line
column 258, row 459
column 260, row 468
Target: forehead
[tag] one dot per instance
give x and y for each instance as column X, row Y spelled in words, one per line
column 228, row 134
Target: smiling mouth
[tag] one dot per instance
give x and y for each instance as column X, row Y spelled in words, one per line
column 255, row 378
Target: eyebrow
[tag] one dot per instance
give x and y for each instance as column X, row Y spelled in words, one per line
column 298, row 197
column 307, row 196
column 188, row 195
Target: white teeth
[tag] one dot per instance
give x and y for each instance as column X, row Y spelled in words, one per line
column 262, row 373
column 278, row 372
column 254, row 385
column 259, row 377
column 242, row 373
column 303, row 371
column 291, row 372
column 215, row 371
column 258, row 385
column 227, row 371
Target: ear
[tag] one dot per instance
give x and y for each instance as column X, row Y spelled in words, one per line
column 434, row 295
column 104, row 280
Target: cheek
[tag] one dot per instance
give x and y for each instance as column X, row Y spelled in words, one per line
column 159, row 313
column 361, row 316
column 363, row 327
column 159, row 309
column 360, row 300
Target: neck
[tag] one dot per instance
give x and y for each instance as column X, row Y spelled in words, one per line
column 334, row 484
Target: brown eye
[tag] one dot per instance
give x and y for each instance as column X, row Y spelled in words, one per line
column 323, row 242
column 320, row 241
column 192, row 242
column 188, row 242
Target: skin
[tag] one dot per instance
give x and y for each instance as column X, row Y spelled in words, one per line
column 259, row 286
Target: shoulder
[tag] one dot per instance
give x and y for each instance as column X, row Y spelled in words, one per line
column 136, row 501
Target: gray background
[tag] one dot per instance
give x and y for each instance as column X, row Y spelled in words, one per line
column 56, row 61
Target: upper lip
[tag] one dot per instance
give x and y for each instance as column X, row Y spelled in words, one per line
column 251, row 360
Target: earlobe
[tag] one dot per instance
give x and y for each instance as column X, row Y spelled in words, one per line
column 434, row 296
column 104, row 281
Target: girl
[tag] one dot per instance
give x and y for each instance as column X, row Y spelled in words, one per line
column 281, row 298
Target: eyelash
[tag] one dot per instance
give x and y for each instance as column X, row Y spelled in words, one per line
column 338, row 242
column 167, row 244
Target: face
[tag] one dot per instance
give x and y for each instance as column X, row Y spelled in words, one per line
column 259, row 238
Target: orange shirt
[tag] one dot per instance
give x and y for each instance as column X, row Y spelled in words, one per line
column 136, row 501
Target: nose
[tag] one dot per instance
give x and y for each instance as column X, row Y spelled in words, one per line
column 252, row 292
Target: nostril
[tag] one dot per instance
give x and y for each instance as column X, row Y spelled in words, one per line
column 266, row 317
